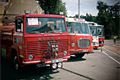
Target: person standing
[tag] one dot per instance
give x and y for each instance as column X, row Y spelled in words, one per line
column 114, row 39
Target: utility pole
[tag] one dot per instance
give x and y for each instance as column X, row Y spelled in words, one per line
column 78, row 8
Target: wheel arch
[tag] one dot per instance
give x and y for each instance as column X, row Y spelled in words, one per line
column 13, row 51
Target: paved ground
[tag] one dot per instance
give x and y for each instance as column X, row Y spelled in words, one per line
column 99, row 65
column 113, row 47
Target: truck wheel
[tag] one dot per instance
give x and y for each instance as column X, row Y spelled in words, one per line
column 16, row 64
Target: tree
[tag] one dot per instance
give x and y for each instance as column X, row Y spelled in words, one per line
column 88, row 17
column 53, row 6
column 115, row 12
column 109, row 17
column 103, row 17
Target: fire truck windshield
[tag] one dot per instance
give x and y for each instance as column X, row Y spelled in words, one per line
column 75, row 27
column 45, row 25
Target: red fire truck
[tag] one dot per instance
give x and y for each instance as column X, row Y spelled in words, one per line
column 39, row 39
column 97, row 33
column 80, row 37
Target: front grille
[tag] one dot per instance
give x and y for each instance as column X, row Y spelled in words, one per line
column 84, row 43
column 36, row 47
column 41, row 48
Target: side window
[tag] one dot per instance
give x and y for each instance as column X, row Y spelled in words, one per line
column 19, row 24
column 99, row 30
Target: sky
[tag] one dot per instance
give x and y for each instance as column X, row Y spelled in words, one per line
column 86, row 6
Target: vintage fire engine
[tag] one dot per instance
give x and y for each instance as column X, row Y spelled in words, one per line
column 97, row 33
column 39, row 39
column 80, row 37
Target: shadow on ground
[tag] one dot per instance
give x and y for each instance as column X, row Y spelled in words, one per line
column 75, row 59
column 33, row 73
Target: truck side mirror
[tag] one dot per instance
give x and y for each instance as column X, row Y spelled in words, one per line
column 19, row 25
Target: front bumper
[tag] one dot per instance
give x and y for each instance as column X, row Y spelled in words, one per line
column 47, row 61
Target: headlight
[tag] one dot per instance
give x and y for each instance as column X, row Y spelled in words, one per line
column 30, row 57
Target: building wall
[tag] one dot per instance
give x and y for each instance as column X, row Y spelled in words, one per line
column 3, row 3
column 18, row 7
column 1, row 13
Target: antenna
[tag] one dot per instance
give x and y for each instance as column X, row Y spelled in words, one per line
column 78, row 8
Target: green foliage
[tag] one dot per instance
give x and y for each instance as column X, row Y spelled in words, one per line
column 88, row 17
column 53, row 6
column 91, row 18
column 109, row 17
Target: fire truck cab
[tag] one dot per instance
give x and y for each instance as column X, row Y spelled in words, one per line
column 39, row 39
column 100, row 30
column 97, row 33
column 80, row 37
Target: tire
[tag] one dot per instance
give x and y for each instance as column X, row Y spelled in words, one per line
column 15, row 64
